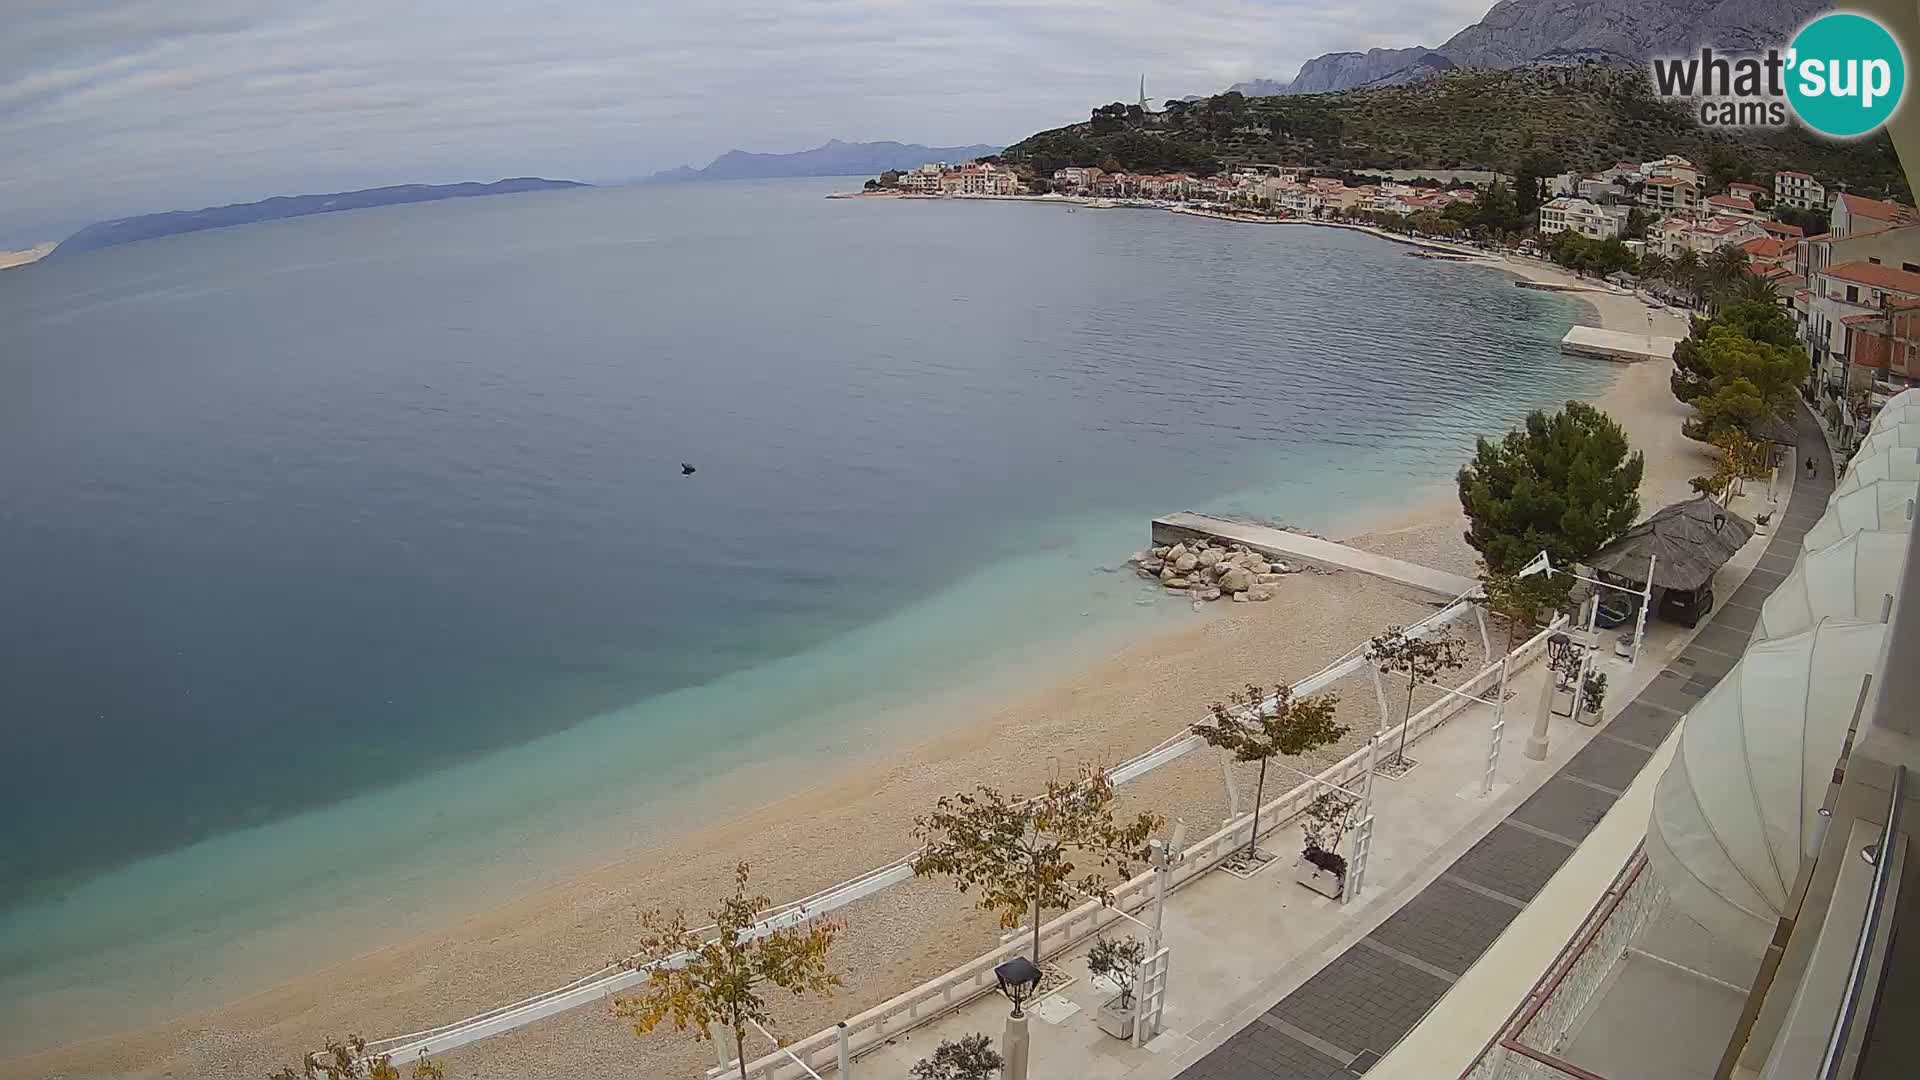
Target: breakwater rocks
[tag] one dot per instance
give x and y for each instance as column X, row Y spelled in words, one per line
column 1201, row 570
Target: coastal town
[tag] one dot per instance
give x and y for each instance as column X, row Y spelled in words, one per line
column 1847, row 267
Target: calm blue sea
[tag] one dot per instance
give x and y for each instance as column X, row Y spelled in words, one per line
column 361, row 541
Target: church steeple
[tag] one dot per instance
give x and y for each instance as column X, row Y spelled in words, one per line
column 1143, row 93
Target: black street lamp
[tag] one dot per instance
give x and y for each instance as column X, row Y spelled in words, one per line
column 1019, row 980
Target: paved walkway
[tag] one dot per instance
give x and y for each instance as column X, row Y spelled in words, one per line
column 1341, row 1021
column 1299, row 547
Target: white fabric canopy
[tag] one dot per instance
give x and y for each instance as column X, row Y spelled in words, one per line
column 1882, row 504
column 1892, row 415
column 1887, row 438
column 1849, row 580
column 1894, row 463
column 1901, row 408
column 1738, row 806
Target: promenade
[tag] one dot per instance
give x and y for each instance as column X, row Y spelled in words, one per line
column 1270, row 981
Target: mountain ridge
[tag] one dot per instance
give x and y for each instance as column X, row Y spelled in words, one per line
column 831, row 158
column 1517, row 33
column 128, row 230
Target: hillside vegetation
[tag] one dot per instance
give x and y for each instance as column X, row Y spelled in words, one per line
column 1582, row 117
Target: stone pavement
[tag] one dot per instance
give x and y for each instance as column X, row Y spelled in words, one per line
column 1345, row 1017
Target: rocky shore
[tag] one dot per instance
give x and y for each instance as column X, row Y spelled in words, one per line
column 1201, row 570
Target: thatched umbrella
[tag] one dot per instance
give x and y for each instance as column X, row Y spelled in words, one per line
column 1690, row 540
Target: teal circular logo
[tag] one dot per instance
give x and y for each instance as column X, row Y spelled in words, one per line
column 1845, row 74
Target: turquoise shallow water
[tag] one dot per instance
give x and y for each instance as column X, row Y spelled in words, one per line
column 349, row 556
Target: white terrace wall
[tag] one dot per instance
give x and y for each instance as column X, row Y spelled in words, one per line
column 942, row 994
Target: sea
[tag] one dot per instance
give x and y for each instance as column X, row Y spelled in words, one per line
column 348, row 563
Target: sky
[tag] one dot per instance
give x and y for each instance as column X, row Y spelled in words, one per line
column 110, row 108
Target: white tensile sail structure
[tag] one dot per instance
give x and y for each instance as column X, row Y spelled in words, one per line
column 1901, row 408
column 1738, row 807
column 1848, row 580
column 1895, row 463
column 1883, row 504
column 1886, row 438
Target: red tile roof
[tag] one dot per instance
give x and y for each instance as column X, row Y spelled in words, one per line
column 1876, row 209
column 1668, row 181
column 1731, row 202
column 1796, row 175
column 1862, row 272
column 1767, row 247
column 1782, row 229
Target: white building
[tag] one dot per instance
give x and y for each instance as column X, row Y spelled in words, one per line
column 1595, row 222
column 1670, row 194
column 1798, row 189
column 1733, row 206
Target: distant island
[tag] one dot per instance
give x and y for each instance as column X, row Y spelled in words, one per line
column 107, row 234
column 831, row 158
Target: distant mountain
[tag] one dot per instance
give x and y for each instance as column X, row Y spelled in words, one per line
column 832, row 158
column 107, row 234
column 1522, row 33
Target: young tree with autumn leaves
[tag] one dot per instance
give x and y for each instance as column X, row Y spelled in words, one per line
column 1022, row 854
column 1254, row 728
column 702, row 979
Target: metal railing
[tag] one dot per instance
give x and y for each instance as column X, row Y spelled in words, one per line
column 1527, row 1046
column 1831, row 1061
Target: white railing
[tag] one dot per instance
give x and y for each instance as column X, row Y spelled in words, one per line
column 1529, row 1043
column 615, row 978
column 944, row 993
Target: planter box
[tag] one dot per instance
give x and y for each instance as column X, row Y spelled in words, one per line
column 1116, row 1021
column 1321, row 881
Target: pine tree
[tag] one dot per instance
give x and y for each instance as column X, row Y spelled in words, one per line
column 1565, row 484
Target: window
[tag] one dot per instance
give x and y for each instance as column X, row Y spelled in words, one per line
column 1853, row 294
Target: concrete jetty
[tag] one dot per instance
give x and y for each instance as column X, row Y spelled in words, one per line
column 1300, row 548
column 1617, row 346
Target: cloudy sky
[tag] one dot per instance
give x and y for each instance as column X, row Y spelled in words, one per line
column 111, row 107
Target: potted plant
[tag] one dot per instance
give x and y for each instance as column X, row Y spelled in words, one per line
column 1594, row 691
column 1321, row 867
column 1118, row 962
column 970, row 1057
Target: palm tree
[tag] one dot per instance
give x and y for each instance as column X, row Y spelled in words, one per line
column 1685, row 273
column 1655, row 266
column 1748, row 288
column 1725, row 265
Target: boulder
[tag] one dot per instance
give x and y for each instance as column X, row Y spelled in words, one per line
column 1186, row 561
column 1239, row 549
column 1160, row 552
column 1166, row 573
column 1240, row 597
column 1211, row 556
column 1284, row 568
column 1173, row 553
column 1177, row 584
column 1258, row 566
column 1259, row 592
column 1207, row 593
column 1236, row 579
column 1267, row 579
column 1212, row 573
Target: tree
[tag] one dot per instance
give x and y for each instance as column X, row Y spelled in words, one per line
column 1565, row 484
column 1760, row 320
column 349, row 1061
column 971, row 1057
column 1421, row 659
column 721, row 979
column 1020, row 852
column 1749, row 381
column 1118, row 962
column 1253, row 730
column 1517, row 600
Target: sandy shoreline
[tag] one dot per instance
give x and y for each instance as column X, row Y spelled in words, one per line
column 827, row 827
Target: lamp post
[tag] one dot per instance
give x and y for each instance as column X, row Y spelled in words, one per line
column 1019, row 980
column 1559, row 647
